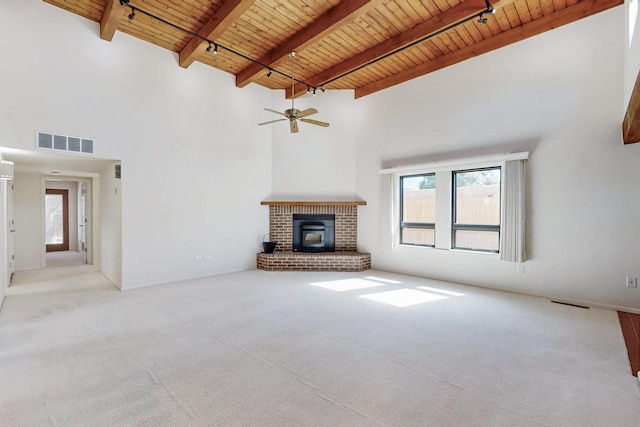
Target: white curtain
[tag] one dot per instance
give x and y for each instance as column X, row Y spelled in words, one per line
column 388, row 216
column 512, row 240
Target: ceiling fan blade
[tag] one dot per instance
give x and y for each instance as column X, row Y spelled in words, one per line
column 307, row 112
column 272, row 121
column 316, row 122
column 277, row 112
column 293, row 124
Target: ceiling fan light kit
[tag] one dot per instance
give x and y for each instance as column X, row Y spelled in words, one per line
column 292, row 114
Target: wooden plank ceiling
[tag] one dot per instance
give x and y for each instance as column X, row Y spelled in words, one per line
column 364, row 45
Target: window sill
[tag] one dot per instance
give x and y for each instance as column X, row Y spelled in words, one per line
column 467, row 251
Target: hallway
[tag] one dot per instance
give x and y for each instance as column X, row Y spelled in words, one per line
column 65, row 272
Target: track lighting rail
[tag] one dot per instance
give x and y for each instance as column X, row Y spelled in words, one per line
column 490, row 10
column 216, row 46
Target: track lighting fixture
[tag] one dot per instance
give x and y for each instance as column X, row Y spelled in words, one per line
column 214, row 48
column 490, row 9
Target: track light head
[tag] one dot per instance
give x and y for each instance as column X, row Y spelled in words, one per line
column 124, row 2
column 490, row 10
column 322, row 89
column 308, row 89
column 132, row 15
column 209, row 47
column 270, row 72
column 215, row 49
column 482, row 20
column 314, row 91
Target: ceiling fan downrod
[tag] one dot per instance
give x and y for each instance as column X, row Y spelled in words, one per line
column 294, row 115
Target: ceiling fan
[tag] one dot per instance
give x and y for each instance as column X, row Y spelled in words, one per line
column 292, row 114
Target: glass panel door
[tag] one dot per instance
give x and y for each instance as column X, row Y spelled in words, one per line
column 56, row 220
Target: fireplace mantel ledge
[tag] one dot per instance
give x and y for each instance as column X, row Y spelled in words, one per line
column 307, row 202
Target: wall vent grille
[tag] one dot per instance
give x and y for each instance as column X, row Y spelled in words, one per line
column 71, row 144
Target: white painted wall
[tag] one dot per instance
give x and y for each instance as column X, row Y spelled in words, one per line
column 194, row 160
column 631, row 47
column 557, row 95
column 316, row 161
column 29, row 217
column 111, row 225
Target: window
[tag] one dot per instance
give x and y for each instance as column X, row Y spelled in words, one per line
column 418, row 209
column 476, row 209
column 473, row 204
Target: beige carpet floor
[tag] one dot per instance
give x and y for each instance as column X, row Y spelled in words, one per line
column 263, row 348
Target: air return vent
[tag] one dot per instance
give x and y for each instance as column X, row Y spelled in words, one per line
column 71, row 144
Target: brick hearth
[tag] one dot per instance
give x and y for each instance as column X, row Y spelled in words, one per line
column 327, row 261
column 345, row 257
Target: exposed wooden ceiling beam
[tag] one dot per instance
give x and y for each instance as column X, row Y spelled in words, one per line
column 219, row 22
column 437, row 23
column 530, row 29
column 334, row 18
column 113, row 13
column 631, row 122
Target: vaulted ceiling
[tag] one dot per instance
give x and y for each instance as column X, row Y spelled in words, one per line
column 364, row 45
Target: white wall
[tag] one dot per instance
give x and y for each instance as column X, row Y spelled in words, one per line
column 316, row 161
column 631, row 47
column 194, row 160
column 557, row 95
column 111, row 225
column 29, row 217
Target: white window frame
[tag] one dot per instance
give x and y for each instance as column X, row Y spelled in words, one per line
column 402, row 225
column 496, row 228
column 444, row 194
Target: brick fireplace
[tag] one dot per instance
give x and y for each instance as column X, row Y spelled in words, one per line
column 344, row 258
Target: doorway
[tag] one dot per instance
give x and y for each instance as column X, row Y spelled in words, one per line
column 57, row 220
column 76, row 216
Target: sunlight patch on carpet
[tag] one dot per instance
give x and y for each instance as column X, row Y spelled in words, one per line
column 442, row 291
column 404, row 297
column 380, row 279
column 347, row 284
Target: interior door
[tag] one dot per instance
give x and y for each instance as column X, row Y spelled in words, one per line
column 11, row 238
column 82, row 222
column 57, row 220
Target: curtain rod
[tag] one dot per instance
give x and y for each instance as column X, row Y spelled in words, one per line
column 445, row 164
